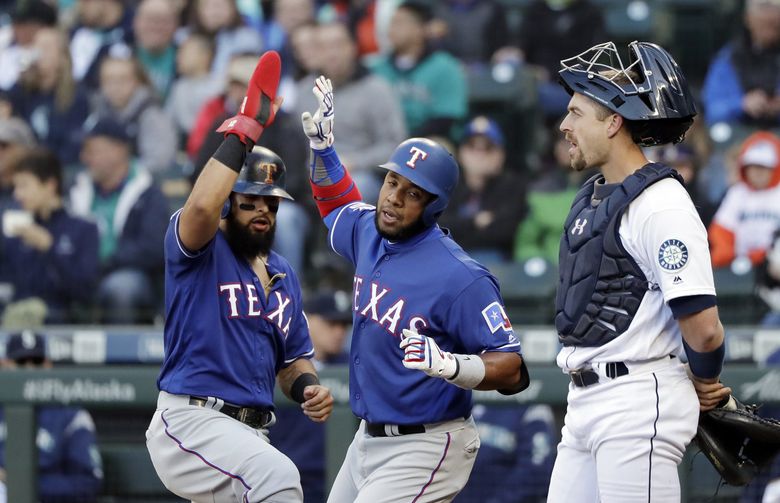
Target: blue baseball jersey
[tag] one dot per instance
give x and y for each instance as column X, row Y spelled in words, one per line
column 223, row 338
column 427, row 283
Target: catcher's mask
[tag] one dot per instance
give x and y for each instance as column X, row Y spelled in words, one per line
column 263, row 174
column 650, row 92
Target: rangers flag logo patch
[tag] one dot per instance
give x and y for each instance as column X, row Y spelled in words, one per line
column 673, row 255
column 496, row 317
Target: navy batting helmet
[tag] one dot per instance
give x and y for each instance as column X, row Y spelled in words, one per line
column 651, row 91
column 431, row 167
column 263, row 174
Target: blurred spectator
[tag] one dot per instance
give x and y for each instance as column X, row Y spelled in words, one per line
column 286, row 16
column 768, row 282
column 69, row 466
column 294, row 217
column 194, row 86
column 750, row 212
column 221, row 21
column 132, row 216
column 365, row 18
column 549, row 199
column 470, row 30
column 683, row 159
column 126, row 95
column 329, row 314
column 15, row 134
column 430, row 84
column 154, row 25
column 487, row 206
column 26, row 19
column 550, row 31
column 305, row 52
column 516, row 455
column 102, row 26
column 371, row 122
column 46, row 252
column 48, row 98
column 220, row 107
column 743, row 78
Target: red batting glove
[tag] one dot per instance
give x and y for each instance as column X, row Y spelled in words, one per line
column 256, row 112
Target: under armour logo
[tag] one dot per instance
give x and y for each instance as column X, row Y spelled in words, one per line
column 269, row 168
column 417, row 153
column 579, row 227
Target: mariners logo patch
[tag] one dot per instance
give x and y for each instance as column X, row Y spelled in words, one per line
column 673, row 255
column 496, row 317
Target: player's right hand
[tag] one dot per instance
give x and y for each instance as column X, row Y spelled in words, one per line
column 319, row 127
column 260, row 104
column 422, row 353
column 318, row 404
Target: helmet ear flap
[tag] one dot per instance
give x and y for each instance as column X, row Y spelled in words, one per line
column 225, row 209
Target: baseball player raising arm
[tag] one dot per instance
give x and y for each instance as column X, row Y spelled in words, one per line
column 636, row 288
column 429, row 323
column 234, row 323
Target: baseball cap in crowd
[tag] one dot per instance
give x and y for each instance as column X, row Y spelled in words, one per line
column 332, row 305
column 484, row 126
column 26, row 346
column 761, row 153
column 34, row 11
column 110, row 128
column 14, row 130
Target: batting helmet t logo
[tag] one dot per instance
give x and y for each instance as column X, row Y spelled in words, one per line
column 269, row 169
column 417, row 153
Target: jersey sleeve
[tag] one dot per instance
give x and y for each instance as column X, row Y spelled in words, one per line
column 176, row 254
column 675, row 247
column 345, row 225
column 477, row 319
column 298, row 342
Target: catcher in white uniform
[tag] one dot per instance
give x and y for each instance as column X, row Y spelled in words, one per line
column 636, row 295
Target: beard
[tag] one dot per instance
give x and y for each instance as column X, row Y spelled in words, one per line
column 402, row 233
column 246, row 243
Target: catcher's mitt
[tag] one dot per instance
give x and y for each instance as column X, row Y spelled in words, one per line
column 737, row 441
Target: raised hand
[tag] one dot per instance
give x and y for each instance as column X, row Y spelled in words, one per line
column 319, row 128
column 260, row 104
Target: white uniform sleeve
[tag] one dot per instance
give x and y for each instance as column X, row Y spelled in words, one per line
column 674, row 245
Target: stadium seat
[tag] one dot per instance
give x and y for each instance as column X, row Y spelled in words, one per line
column 528, row 289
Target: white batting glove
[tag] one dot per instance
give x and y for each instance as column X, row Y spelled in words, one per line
column 319, row 128
column 422, row 353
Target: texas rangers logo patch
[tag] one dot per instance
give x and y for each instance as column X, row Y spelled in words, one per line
column 496, row 317
column 673, row 255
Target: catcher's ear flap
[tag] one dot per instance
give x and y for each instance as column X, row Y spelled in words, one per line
column 735, row 471
column 225, row 209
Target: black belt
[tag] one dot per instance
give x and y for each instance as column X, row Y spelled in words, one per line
column 380, row 429
column 588, row 377
column 256, row 418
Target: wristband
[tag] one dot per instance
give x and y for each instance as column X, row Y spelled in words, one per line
column 706, row 365
column 231, row 153
column 303, row 380
column 325, row 164
column 469, row 371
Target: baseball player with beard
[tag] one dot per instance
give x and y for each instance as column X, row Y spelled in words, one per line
column 428, row 323
column 234, row 324
column 636, row 288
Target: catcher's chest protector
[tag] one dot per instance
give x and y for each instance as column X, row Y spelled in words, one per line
column 601, row 286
